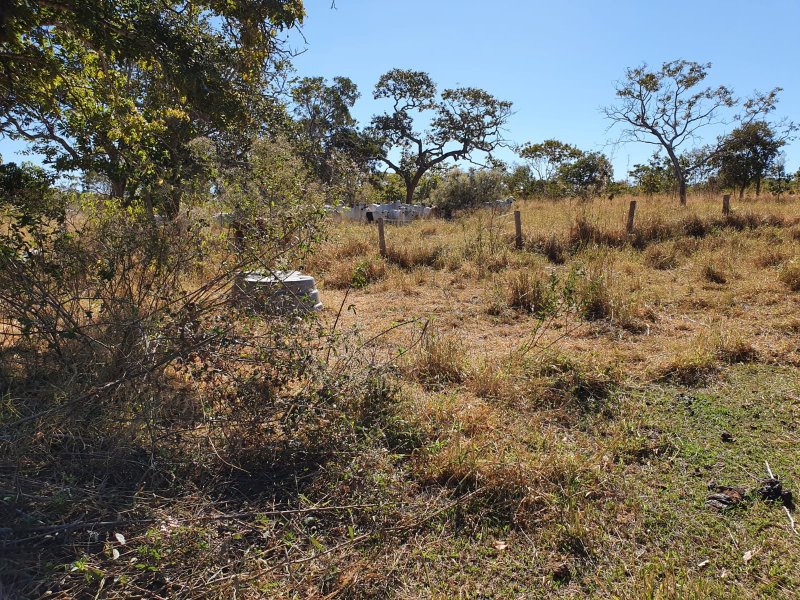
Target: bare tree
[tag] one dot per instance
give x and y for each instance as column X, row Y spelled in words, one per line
column 666, row 107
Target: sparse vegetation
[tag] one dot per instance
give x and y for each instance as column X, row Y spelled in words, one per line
column 585, row 408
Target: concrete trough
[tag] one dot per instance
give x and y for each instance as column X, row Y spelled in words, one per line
column 283, row 292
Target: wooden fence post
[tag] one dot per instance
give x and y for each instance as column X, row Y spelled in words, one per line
column 726, row 204
column 518, row 229
column 381, row 238
column 631, row 216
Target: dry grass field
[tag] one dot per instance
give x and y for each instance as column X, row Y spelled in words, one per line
column 464, row 420
column 584, row 394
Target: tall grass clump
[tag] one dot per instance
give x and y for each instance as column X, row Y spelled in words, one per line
column 790, row 275
column 439, row 361
column 530, row 291
column 594, row 291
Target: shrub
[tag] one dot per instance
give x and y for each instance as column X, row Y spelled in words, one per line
column 661, row 256
column 490, row 380
column 413, row 255
column 551, row 246
column 530, row 292
column 690, row 367
column 571, row 382
column 459, row 190
column 694, row 364
column 790, row 276
column 714, row 274
column 439, row 361
column 591, row 290
column 367, row 271
column 584, row 234
column 650, row 231
column 694, row 226
column 769, row 257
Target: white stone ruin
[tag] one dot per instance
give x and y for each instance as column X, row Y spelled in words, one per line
column 394, row 212
column 281, row 292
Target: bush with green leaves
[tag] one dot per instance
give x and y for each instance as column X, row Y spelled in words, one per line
column 587, row 176
column 108, row 305
column 460, row 190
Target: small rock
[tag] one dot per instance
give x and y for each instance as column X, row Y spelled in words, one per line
column 500, row 545
column 723, row 497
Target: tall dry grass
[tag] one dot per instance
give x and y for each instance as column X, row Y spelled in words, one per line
column 553, row 229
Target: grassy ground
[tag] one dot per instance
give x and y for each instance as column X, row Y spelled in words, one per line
column 593, row 424
column 555, row 418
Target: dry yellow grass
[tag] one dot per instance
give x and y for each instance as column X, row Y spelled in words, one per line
column 526, row 384
column 462, row 274
column 556, row 425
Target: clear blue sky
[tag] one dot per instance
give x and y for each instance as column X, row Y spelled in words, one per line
column 556, row 61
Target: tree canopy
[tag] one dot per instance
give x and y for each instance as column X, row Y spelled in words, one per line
column 545, row 158
column 586, row 176
column 463, row 122
column 747, row 155
column 667, row 106
column 654, row 177
column 122, row 89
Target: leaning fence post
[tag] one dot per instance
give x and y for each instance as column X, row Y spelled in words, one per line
column 726, row 204
column 631, row 216
column 518, row 229
column 381, row 238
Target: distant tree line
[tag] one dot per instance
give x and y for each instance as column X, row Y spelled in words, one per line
column 160, row 104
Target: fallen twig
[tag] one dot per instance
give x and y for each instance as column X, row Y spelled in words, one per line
column 45, row 529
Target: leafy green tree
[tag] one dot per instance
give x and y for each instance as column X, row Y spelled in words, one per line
column 459, row 189
column 655, row 177
column 778, row 181
column 323, row 109
column 463, row 123
column 27, row 190
column 547, row 157
column 122, row 89
column 747, row 155
column 339, row 154
column 587, row 176
column 521, row 180
column 668, row 106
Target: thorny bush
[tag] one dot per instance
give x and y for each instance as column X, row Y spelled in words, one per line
column 129, row 365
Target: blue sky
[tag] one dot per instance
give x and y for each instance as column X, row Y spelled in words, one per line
column 556, row 61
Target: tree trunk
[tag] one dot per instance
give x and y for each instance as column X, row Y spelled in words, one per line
column 758, row 186
column 682, row 189
column 741, row 191
column 118, row 188
column 411, row 186
column 172, row 204
column 679, row 175
column 148, row 206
